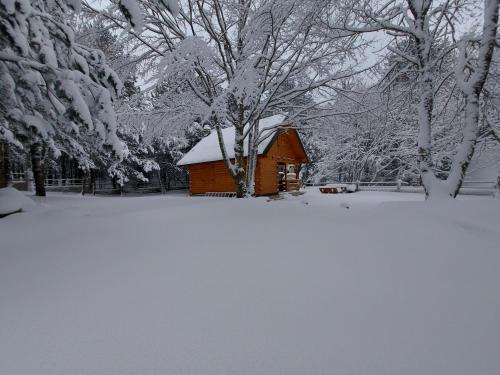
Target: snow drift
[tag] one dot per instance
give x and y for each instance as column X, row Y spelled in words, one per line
column 12, row 200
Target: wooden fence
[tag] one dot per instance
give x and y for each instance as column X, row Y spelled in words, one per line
column 468, row 187
column 76, row 185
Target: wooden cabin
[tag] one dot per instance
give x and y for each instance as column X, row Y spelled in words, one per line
column 280, row 157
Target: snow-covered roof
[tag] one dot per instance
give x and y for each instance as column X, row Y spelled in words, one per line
column 208, row 148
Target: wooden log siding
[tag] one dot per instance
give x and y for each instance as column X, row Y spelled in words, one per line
column 214, row 177
column 210, row 177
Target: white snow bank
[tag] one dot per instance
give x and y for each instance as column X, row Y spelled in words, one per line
column 208, row 286
column 12, row 200
column 208, row 148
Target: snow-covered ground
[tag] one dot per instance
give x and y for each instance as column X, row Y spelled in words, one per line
column 212, row 286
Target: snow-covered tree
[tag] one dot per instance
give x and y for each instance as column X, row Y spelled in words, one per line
column 365, row 140
column 129, row 106
column 140, row 160
column 236, row 56
column 57, row 94
column 427, row 26
column 474, row 61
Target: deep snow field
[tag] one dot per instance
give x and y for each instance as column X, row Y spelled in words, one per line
column 171, row 284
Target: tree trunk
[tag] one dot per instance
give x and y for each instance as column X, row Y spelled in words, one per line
column 38, row 169
column 466, row 149
column 249, row 162
column 472, row 89
column 85, row 178
column 4, row 165
column 251, row 170
column 432, row 186
column 88, row 182
column 93, row 177
column 253, row 150
column 161, row 181
column 239, row 175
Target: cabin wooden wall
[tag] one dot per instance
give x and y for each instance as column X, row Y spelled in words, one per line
column 286, row 149
column 214, row 176
column 210, row 177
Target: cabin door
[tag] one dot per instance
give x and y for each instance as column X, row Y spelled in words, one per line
column 281, row 177
column 288, row 177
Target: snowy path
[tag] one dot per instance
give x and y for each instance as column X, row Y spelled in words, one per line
column 178, row 285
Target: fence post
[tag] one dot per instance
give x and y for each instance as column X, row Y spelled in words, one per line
column 398, row 184
column 83, row 182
